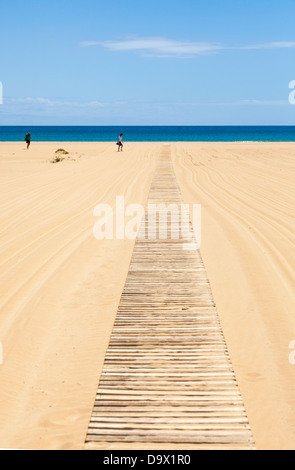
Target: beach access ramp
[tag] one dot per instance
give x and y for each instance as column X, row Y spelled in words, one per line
column 167, row 380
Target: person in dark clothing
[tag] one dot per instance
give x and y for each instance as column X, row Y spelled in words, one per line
column 28, row 139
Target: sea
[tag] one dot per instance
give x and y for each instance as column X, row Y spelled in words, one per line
column 149, row 133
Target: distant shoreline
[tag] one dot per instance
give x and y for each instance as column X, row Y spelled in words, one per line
column 153, row 142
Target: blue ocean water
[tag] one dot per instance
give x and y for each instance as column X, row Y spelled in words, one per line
column 150, row 133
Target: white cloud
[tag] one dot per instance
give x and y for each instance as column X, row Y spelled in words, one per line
column 162, row 47
column 232, row 103
column 44, row 103
column 159, row 47
column 263, row 102
column 269, row 45
column 50, row 103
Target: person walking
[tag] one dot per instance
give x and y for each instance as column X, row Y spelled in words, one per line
column 28, row 139
column 120, row 143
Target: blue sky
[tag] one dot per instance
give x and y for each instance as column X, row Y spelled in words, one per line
column 147, row 63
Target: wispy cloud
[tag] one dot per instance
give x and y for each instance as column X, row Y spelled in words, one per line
column 41, row 106
column 159, row 47
column 47, row 103
column 269, row 45
column 51, row 103
column 162, row 47
column 44, row 111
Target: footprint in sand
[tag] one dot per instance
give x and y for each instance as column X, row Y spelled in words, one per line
column 254, row 377
column 59, row 419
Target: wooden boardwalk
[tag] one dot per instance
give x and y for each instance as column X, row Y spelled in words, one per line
column 167, row 380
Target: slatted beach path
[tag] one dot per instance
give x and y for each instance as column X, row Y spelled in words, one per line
column 167, row 379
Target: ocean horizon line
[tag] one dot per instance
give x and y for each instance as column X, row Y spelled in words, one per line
column 143, row 133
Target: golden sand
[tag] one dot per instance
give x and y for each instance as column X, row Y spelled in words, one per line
column 60, row 287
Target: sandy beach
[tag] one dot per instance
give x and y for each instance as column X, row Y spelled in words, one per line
column 60, row 287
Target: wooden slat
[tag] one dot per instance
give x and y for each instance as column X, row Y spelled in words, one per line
column 167, row 377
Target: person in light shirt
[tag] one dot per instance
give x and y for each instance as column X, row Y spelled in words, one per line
column 120, row 143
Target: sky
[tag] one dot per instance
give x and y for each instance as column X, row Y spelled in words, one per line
column 156, row 62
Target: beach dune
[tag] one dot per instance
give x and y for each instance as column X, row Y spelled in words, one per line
column 60, row 287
